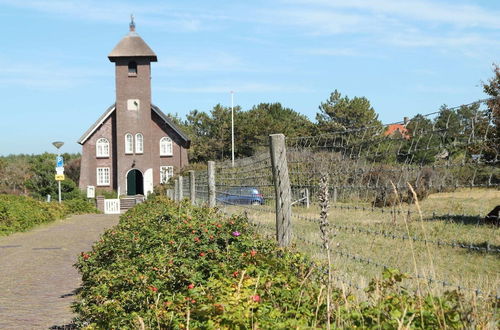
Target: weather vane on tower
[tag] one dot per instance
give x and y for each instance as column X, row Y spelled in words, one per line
column 132, row 24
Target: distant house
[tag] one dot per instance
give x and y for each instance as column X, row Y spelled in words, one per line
column 133, row 146
column 398, row 129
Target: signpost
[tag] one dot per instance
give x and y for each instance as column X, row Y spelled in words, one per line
column 59, row 167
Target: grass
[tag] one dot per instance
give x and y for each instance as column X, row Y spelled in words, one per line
column 446, row 217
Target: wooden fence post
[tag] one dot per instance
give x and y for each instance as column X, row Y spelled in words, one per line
column 282, row 189
column 211, row 183
column 181, row 188
column 334, row 195
column 192, row 188
column 176, row 190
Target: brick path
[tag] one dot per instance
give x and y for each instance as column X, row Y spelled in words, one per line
column 37, row 277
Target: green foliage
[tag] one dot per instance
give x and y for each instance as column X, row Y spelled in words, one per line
column 492, row 88
column 390, row 306
column 166, row 264
column 175, row 266
column 41, row 182
column 20, row 213
column 341, row 113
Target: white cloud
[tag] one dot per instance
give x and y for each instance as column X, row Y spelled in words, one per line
column 423, row 10
column 215, row 61
column 238, row 87
column 160, row 16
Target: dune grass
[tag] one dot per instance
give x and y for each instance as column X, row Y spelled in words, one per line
column 454, row 217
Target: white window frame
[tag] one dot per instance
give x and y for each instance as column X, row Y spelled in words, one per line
column 129, row 143
column 166, row 172
column 139, row 143
column 103, row 177
column 166, row 146
column 102, row 148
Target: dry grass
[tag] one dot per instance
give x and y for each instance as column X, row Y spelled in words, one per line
column 447, row 217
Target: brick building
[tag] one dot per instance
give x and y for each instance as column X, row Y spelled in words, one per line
column 133, row 146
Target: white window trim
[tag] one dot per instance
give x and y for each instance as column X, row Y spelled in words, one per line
column 166, row 152
column 102, row 148
column 139, row 147
column 129, row 147
column 101, row 178
column 166, row 172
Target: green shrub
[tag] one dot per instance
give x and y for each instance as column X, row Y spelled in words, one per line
column 21, row 213
column 79, row 206
column 175, row 266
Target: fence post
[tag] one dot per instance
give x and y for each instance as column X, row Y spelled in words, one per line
column 176, row 190
column 334, row 195
column 192, row 188
column 181, row 188
column 282, row 189
column 211, row 183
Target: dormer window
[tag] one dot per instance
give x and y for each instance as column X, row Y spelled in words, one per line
column 132, row 68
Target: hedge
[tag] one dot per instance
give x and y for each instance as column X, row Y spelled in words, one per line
column 21, row 213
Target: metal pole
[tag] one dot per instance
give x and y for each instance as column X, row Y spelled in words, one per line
column 59, row 182
column 59, row 187
column 232, row 128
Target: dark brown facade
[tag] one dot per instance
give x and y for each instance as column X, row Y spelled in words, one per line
column 144, row 146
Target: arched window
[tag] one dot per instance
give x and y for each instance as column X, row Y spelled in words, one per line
column 129, row 143
column 165, row 146
column 102, row 148
column 139, row 143
column 132, row 68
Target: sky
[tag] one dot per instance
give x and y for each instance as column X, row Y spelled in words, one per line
column 406, row 57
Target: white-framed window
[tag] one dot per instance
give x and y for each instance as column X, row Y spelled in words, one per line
column 103, row 176
column 166, row 172
column 139, row 143
column 129, row 143
column 166, row 146
column 102, row 148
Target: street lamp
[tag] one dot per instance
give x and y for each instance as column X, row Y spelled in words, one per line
column 232, row 128
column 58, row 145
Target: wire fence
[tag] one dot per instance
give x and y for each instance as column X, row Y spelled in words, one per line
column 411, row 195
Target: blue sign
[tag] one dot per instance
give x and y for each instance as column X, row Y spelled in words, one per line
column 59, row 161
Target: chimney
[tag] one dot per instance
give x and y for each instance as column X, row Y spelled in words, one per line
column 405, row 121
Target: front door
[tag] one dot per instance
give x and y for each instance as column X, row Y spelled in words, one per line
column 135, row 185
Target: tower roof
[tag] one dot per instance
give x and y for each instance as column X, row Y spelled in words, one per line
column 132, row 45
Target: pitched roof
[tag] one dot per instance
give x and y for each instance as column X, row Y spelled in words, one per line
column 132, row 45
column 97, row 124
column 154, row 108
column 170, row 123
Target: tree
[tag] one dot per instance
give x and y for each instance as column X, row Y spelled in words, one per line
column 255, row 126
column 341, row 113
column 492, row 88
column 41, row 182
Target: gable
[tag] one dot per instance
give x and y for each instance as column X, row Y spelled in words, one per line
column 164, row 118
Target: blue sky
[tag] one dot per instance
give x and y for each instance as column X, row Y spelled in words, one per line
column 406, row 57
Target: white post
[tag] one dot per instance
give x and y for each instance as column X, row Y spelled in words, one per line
column 232, row 128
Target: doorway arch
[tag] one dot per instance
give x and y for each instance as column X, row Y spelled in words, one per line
column 135, row 183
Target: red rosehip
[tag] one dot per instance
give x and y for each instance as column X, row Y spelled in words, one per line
column 253, row 253
column 191, row 286
column 256, row 298
column 202, row 254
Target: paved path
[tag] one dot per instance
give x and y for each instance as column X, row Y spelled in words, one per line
column 37, row 277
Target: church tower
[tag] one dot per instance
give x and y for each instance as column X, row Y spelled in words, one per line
column 133, row 146
column 132, row 58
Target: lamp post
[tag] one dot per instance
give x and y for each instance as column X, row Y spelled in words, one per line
column 58, row 145
column 232, row 128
